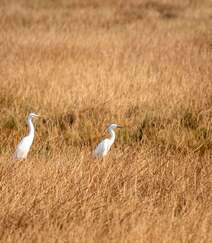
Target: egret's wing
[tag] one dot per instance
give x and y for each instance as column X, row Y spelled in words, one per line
column 101, row 148
column 22, row 148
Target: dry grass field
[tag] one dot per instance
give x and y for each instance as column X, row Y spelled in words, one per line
column 146, row 65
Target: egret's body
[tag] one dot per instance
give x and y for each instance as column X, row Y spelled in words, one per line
column 23, row 147
column 104, row 146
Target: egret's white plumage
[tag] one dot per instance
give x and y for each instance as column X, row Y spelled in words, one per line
column 104, row 146
column 24, row 146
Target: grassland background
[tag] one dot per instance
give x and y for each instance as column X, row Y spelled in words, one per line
column 83, row 64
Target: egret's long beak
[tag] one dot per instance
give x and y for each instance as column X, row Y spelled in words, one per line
column 35, row 115
column 118, row 126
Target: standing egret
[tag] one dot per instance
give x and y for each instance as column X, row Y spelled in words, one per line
column 104, row 146
column 26, row 142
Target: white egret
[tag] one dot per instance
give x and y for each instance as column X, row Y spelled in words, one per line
column 104, row 146
column 26, row 142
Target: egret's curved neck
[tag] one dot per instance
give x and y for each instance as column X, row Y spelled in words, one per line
column 31, row 127
column 112, row 135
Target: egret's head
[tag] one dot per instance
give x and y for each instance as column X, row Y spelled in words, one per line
column 113, row 126
column 31, row 115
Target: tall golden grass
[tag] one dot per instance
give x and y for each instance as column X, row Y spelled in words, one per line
column 83, row 64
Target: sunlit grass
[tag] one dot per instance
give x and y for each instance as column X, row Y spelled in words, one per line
column 84, row 64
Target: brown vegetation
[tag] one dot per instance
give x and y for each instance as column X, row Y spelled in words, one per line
column 83, row 64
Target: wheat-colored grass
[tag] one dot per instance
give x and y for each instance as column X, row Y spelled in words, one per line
column 83, row 64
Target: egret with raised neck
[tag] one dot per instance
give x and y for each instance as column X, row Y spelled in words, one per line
column 25, row 144
column 104, row 146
